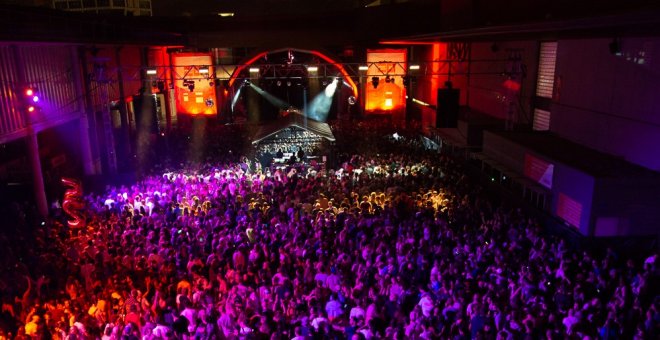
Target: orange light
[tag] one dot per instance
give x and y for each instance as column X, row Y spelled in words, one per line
column 31, row 108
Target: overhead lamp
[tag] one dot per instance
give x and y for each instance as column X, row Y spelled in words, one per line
column 226, row 14
column 363, row 67
column 414, row 67
column 254, row 70
column 152, row 71
column 204, row 70
column 312, row 68
column 387, row 78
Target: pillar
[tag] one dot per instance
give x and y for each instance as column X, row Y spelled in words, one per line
column 37, row 174
column 85, row 143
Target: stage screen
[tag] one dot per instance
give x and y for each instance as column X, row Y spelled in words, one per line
column 195, row 93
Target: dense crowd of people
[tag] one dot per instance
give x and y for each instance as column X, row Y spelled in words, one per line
column 395, row 243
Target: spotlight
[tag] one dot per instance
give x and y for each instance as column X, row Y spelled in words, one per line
column 204, row 70
column 387, row 78
column 363, row 67
column 151, row 71
column 254, row 70
column 352, row 100
column 312, row 68
column 414, row 67
column 288, row 83
column 190, row 84
column 375, row 81
column 279, row 83
column 31, row 98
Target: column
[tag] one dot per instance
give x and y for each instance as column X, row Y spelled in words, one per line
column 85, row 143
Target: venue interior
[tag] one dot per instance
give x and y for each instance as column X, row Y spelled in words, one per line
column 315, row 169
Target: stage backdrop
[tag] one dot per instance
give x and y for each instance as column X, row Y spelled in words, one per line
column 387, row 97
column 202, row 99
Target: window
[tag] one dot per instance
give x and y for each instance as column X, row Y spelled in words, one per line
column 541, row 120
column 545, row 81
column 75, row 4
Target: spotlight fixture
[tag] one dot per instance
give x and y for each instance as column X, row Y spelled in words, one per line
column 151, row 72
column 387, row 78
column 190, row 84
column 31, row 99
column 414, row 67
column 254, row 70
column 279, row 83
column 363, row 67
column 203, row 70
column 288, row 83
column 375, row 81
column 312, row 68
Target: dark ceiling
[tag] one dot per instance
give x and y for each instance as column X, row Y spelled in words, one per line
column 323, row 23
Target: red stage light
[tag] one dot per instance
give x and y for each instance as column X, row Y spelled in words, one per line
column 29, row 92
column 31, row 108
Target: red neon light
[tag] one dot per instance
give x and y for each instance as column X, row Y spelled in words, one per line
column 341, row 68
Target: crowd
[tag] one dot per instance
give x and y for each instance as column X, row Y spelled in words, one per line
column 397, row 243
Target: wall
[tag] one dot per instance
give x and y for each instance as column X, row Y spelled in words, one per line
column 46, row 68
column 504, row 151
column 579, row 187
column 489, row 63
column 574, row 184
column 626, row 207
column 609, row 102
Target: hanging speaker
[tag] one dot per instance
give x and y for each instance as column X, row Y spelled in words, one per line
column 447, row 108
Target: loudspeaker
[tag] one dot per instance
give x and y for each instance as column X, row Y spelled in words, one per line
column 145, row 110
column 447, row 108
